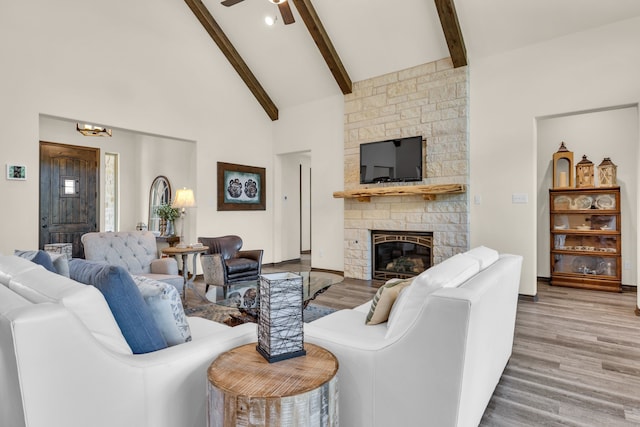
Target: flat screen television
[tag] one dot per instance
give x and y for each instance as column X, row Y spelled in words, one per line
column 394, row 160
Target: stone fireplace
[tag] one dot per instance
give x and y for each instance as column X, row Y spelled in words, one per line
column 400, row 254
column 430, row 100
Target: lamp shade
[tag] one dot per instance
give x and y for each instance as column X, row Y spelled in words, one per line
column 184, row 199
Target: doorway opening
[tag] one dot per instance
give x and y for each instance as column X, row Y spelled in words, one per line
column 305, row 209
column 599, row 133
column 294, row 208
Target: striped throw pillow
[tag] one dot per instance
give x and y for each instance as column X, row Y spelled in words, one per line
column 384, row 299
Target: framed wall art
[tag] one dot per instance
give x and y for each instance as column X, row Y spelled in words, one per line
column 240, row 188
column 16, row 172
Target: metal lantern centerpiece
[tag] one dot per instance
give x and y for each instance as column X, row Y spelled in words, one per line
column 280, row 324
column 607, row 172
column 584, row 173
column 563, row 167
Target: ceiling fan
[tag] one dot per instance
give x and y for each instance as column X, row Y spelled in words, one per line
column 283, row 5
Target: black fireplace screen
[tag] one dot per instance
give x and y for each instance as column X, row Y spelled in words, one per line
column 400, row 254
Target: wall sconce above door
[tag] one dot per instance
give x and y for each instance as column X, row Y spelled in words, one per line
column 90, row 130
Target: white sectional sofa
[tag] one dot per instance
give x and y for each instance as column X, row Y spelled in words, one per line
column 65, row 363
column 439, row 357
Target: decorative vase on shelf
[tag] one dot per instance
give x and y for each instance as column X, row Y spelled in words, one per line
column 167, row 228
column 171, row 229
column 162, row 226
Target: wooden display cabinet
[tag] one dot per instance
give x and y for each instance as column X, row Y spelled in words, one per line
column 586, row 238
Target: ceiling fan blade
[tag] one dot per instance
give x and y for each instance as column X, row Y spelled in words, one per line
column 285, row 11
column 230, row 2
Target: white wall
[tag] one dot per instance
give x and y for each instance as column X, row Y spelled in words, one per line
column 159, row 75
column 318, row 127
column 176, row 160
column 585, row 71
column 597, row 134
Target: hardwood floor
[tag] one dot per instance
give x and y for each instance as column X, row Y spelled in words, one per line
column 575, row 361
column 347, row 294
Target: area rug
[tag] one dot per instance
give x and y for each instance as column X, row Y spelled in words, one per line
column 220, row 314
column 314, row 312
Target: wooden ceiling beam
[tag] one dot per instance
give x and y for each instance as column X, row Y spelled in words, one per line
column 321, row 38
column 452, row 32
column 220, row 38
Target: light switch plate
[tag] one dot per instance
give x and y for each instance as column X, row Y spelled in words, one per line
column 520, row 198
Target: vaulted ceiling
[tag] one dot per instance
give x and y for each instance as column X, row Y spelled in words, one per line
column 334, row 43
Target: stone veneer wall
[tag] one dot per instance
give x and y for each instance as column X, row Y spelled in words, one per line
column 430, row 100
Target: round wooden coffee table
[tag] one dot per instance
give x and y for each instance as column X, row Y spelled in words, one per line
column 246, row 390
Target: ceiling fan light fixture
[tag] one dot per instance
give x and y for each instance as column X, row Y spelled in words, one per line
column 277, row 1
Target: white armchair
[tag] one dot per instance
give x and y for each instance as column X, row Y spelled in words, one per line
column 136, row 251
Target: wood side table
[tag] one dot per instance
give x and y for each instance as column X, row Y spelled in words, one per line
column 246, row 390
column 184, row 253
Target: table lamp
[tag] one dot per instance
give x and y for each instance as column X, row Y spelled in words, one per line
column 184, row 199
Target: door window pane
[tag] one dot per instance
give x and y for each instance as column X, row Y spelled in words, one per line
column 69, row 186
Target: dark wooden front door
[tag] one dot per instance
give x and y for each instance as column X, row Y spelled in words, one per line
column 68, row 194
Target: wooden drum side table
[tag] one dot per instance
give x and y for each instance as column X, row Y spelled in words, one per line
column 246, row 390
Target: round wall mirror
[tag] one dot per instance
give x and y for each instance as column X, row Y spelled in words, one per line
column 160, row 193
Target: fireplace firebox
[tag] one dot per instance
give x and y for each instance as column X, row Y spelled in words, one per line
column 400, row 254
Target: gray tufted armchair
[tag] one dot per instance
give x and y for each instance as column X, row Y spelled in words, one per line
column 136, row 251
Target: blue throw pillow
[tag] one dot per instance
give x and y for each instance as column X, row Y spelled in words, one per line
column 125, row 301
column 39, row 257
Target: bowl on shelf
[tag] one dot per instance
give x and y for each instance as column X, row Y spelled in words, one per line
column 582, row 202
column 583, row 227
column 605, row 201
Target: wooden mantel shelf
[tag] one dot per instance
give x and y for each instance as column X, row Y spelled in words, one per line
column 428, row 192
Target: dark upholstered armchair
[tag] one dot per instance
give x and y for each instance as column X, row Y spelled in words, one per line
column 225, row 264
